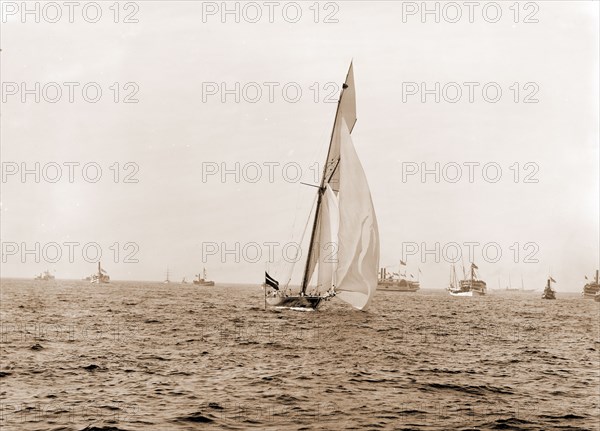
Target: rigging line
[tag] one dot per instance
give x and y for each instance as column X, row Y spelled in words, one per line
column 301, row 241
column 296, row 212
column 316, row 152
column 306, row 184
column 334, row 169
column 305, row 279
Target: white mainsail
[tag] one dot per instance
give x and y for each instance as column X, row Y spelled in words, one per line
column 346, row 110
column 358, row 237
column 328, row 240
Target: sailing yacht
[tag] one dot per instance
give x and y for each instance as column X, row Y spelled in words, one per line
column 592, row 290
column 167, row 281
column 344, row 217
column 472, row 286
column 100, row 277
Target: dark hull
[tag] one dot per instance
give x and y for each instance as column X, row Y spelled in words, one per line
column 549, row 294
column 590, row 290
column 295, row 302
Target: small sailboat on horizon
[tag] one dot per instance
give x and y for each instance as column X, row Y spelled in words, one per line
column 101, row 277
column 509, row 288
column 344, row 221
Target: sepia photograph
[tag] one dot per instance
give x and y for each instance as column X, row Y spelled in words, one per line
column 300, row 215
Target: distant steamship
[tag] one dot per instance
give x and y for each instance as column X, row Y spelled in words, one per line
column 396, row 281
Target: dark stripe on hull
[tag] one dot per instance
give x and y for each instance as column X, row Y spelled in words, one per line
column 308, row 302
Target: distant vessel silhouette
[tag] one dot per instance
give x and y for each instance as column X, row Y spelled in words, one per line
column 472, row 286
column 100, row 277
column 396, row 281
column 592, row 290
column 509, row 288
column 44, row 276
column 202, row 280
column 549, row 293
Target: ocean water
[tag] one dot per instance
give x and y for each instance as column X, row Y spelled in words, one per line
column 149, row 356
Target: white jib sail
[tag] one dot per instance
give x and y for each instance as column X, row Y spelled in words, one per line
column 358, row 237
column 328, row 240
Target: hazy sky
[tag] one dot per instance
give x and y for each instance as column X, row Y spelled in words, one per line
column 179, row 130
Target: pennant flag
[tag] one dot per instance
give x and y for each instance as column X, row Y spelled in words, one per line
column 402, row 263
column 420, row 271
column 474, row 266
column 552, row 280
column 270, row 281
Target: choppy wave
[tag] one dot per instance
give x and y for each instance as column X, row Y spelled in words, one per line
column 135, row 356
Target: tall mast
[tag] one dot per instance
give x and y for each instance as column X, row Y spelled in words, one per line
column 306, row 278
